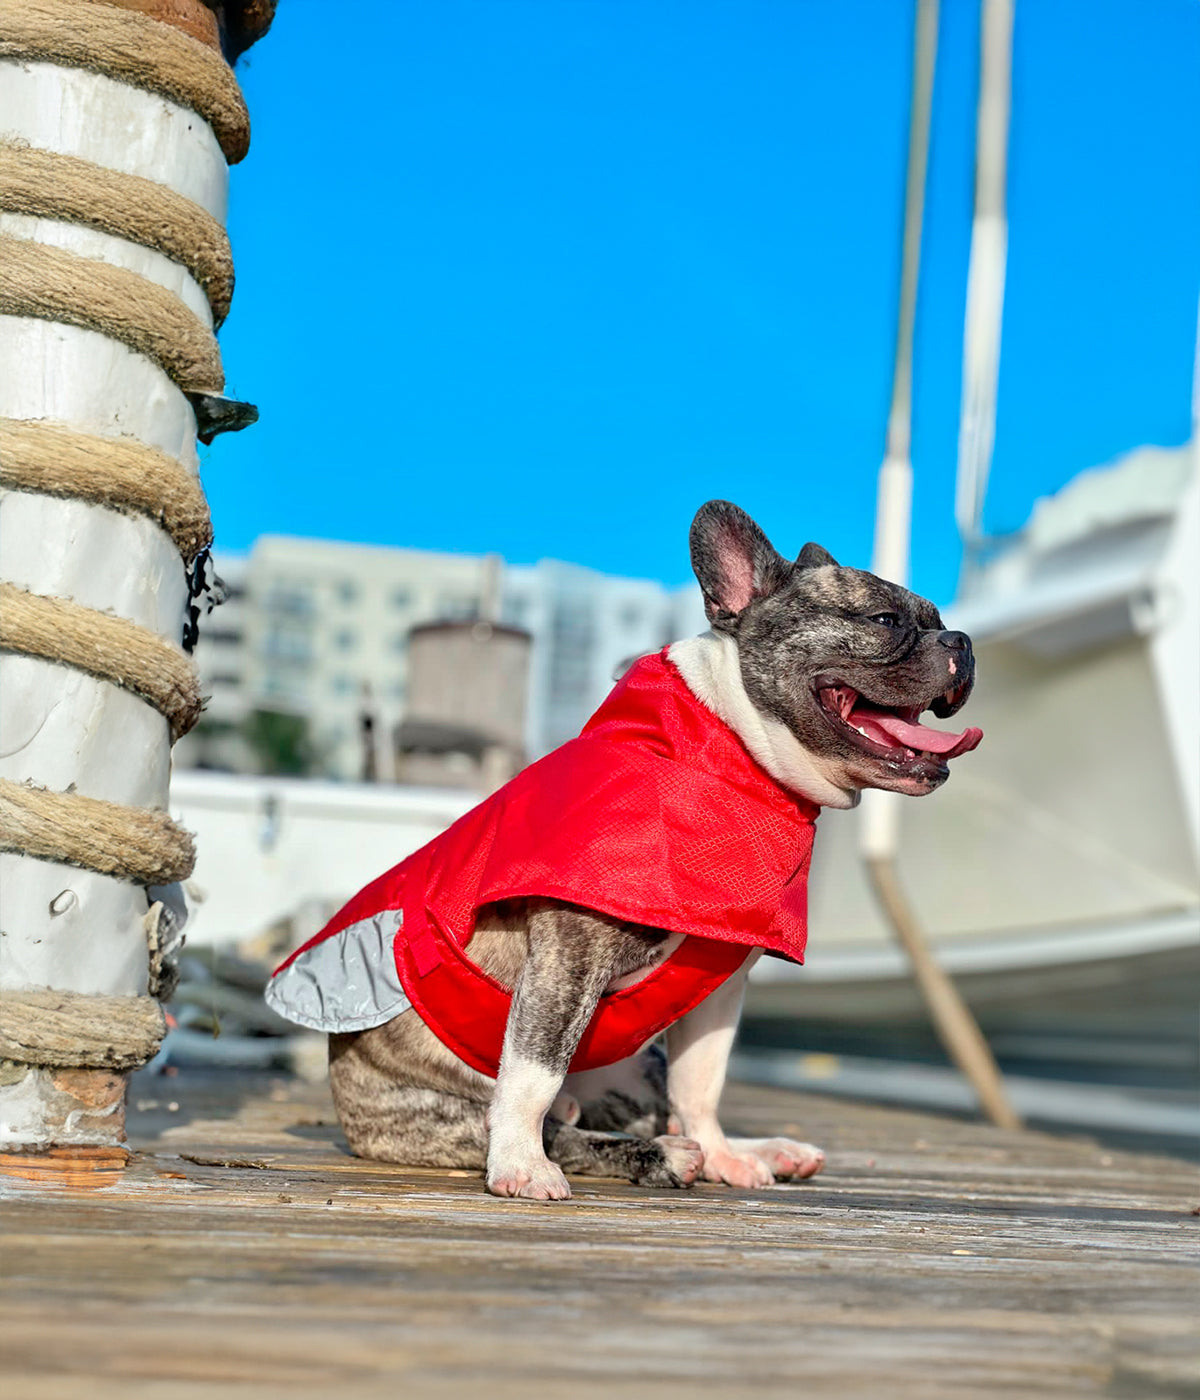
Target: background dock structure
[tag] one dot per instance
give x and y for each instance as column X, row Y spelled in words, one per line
column 242, row 1252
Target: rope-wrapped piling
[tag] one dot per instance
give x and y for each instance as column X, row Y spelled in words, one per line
column 172, row 49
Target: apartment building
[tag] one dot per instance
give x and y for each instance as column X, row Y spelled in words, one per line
column 316, row 634
column 222, row 659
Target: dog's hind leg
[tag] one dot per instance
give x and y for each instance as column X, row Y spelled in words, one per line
column 659, row 1161
column 627, row 1097
column 427, row 1128
column 421, row 1126
column 431, row 1116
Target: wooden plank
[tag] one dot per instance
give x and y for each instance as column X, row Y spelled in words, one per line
column 933, row 1258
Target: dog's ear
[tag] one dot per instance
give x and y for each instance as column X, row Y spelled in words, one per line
column 734, row 561
column 812, row 556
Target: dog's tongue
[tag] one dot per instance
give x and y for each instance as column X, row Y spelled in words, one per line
column 883, row 726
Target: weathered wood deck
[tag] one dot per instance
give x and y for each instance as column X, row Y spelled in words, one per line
column 243, row 1253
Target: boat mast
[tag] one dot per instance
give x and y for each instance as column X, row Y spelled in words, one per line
column 879, row 816
column 985, row 278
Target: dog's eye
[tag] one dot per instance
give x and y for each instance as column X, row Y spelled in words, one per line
column 886, row 619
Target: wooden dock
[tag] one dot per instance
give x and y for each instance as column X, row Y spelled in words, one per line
column 243, row 1253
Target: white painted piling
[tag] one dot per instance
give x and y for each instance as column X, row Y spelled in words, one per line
column 110, row 86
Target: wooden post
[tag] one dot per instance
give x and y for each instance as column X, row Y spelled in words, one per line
column 119, row 121
column 956, row 1027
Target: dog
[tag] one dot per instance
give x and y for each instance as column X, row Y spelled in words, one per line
column 626, row 885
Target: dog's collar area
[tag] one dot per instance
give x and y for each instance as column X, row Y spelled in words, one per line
column 711, row 670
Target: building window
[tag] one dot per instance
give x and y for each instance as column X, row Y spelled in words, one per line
column 572, row 643
column 347, row 591
column 277, row 685
column 401, row 597
column 400, row 643
column 457, row 607
column 287, row 644
column 345, row 640
column 344, row 684
column 293, row 601
column 515, row 611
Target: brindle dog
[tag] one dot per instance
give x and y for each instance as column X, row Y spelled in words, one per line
column 817, row 668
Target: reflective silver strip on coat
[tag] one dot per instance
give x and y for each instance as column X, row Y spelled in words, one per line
column 344, row 983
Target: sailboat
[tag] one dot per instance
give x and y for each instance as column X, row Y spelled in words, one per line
column 1058, row 874
column 1056, row 878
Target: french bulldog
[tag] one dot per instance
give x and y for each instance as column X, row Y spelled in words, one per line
column 822, row 673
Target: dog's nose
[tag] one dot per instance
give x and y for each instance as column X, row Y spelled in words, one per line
column 955, row 641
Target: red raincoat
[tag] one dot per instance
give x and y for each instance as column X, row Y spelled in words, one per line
column 656, row 814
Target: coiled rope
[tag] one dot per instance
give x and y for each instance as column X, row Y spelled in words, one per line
column 69, row 1029
column 111, row 648
column 52, row 284
column 131, row 48
column 50, row 185
column 70, row 829
column 120, row 473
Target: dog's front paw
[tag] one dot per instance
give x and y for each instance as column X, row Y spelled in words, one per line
column 786, row 1160
column 669, row 1161
column 535, row 1180
column 743, row 1169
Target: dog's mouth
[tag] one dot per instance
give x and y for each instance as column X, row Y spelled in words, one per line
column 895, row 734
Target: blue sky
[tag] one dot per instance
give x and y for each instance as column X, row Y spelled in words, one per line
column 540, row 276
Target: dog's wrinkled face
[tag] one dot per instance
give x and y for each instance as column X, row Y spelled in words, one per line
column 847, row 661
